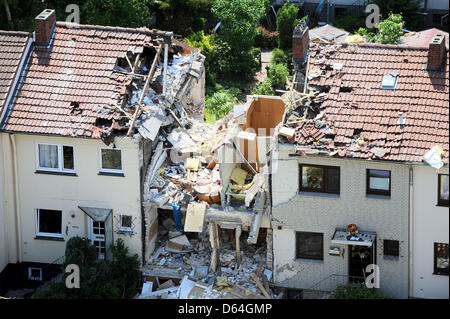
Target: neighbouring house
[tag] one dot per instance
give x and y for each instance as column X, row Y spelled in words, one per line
column 81, row 126
column 328, row 34
column 367, row 117
column 13, row 50
column 422, row 38
column 436, row 13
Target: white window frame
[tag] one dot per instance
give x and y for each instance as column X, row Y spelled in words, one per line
column 30, row 277
column 60, row 159
column 109, row 170
column 54, row 235
column 123, row 228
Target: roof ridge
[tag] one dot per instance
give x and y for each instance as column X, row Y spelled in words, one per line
column 143, row 30
column 379, row 45
column 15, row 33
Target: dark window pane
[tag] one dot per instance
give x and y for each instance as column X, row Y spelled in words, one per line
column 333, row 180
column 441, row 258
column 48, row 156
column 310, row 245
column 312, row 177
column 68, row 157
column 391, row 247
column 379, row 180
column 50, row 221
column 112, row 159
column 443, row 188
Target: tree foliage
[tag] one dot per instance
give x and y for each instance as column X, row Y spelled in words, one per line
column 286, row 22
column 277, row 74
column 389, row 31
column 407, row 8
column 221, row 102
column 239, row 21
column 350, row 22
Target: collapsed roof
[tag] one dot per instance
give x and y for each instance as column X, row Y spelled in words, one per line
column 88, row 81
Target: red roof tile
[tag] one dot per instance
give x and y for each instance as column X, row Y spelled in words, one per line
column 77, row 67
column 12, row 47
column 420, row 94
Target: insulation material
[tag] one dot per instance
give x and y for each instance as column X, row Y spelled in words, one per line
column 195, row 218
column 238, row 176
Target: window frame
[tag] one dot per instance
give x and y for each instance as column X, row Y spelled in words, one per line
column 441, row 202
column 60, row 168
column 126, row 229
column 109, row 170
column 52, row 235
column 30, row 274
column 387, row 252
column 298, row 257
column 435, row 269
column 371, row 191
column 324, row 179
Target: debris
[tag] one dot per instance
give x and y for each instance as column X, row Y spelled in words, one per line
column 165, row 285
column 260, row 286
column 195, row 218
column 286, row 131
column 378, row 152
column 238, row 176
column 222, row 281
column 147, row 288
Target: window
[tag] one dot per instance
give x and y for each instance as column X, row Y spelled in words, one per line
column 378, row 182
column 442, row 190
column 126, row 223
column 34, row 274
column 322, row 179
column 55, row 158
column 111, row 160
column 49, row 223
column 309, row 245
column 389, row 81
column 391, row 248
column 440, row 259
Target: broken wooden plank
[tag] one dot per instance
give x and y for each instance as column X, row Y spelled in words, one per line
column 136, row 62
column 266, row 285
column 260, row 268
column 260, row 286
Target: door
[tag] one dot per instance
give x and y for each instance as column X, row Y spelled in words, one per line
column 359, row 258
column 97, row 235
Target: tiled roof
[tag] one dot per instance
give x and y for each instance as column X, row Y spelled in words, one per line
column 12, row 47
column 360, row 116
column 422, row 38
column 76, row 69
column 328, row 33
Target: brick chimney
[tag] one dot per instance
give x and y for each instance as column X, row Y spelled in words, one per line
column 43, row 26
column 436, row 52
column 300, row 42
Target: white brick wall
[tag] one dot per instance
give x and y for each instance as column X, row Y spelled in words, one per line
column 294, row 212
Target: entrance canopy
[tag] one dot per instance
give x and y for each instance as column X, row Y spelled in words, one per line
column 362, row 239
column 97, row 214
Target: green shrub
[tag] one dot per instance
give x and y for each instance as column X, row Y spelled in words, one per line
column 390, row 30
column 208, row 47
column 221, row 103
column 264, row 88
column 277, row 74
column 279, row 57
column 359, row 291
column 286, row 22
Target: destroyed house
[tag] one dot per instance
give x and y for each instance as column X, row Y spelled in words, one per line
column 81, row 124
column 13, row 48
column 366, row 148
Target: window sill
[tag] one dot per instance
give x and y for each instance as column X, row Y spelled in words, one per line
column 111, row 174
column 442, row 205
column 314, row 194
column 394, row 258
column 56, row 173
column 49, row 238
column 373, row 196
column 309, row 261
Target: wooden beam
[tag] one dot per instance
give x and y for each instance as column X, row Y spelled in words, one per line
column 129, row 62
column 135, row 63
column 260, row 286
column 260, row 267
column 147, row 82
column 266, row 285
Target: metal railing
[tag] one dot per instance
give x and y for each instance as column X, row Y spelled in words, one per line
column 325, row 287
column 49, row 271
column 359, row 6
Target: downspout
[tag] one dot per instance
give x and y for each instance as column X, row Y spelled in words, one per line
column 18, row 211
column 411, row 231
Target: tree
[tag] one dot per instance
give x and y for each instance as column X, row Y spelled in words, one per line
column 408, row 8
column 286, row 22
column 390, row 30
column 8, row 13
column 239, row 21
column 125, row 270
